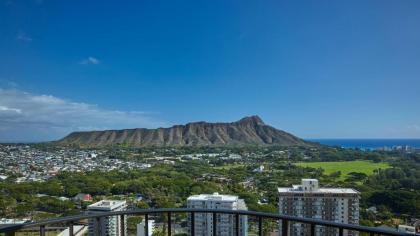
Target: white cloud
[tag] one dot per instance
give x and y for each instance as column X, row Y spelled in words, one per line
column 8, row 109
column 414, row 127
column 22, row 36
column 90, row 61
column 30, row 117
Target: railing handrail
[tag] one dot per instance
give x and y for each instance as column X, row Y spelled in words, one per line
column 68, row 219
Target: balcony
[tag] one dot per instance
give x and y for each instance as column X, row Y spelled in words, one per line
column 284, row 223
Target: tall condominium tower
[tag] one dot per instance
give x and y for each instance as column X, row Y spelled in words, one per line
column 225, row 226
column 310, row 201
column 109, row 226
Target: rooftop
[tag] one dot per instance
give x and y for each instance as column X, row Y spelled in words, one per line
column 320, row 190
column 105, row 205
column 214, row 196
column 311, row 186
column 314, row 180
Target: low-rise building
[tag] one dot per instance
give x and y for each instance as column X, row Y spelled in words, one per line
column 83, row 197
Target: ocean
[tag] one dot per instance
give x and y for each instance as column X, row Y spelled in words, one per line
column 368, row 144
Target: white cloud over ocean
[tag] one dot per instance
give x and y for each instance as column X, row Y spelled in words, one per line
column 31, row 117
column 90, row 61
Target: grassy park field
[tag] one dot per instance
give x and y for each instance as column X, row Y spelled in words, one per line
column 346, row 167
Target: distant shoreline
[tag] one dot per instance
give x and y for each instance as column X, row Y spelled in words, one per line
column 369, row 144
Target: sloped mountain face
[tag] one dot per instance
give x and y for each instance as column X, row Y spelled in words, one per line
column 247, row 131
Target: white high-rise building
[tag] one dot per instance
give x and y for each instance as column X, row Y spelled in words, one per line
column 109, row 226
column 141, row 231
column 203, row 222
column 308, row 200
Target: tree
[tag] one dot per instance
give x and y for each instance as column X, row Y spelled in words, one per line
column 7, row 205
column 356, row 176
column 142, row 205
column 335, row 174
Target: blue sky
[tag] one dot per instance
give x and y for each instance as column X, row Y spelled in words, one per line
column 318, row 69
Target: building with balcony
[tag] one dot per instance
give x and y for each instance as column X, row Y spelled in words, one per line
column 110, row 225
column 225, row 224
column 308, row 200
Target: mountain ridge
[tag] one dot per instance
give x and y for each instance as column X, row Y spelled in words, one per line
column 249, row 130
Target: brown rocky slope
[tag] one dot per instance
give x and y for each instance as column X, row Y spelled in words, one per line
column 247, row 131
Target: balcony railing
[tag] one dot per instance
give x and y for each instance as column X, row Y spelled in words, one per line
column 260, row 216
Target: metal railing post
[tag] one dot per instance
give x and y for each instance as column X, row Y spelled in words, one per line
column 237, row 225
column 98, row 226
column 312, row 229
column 146, row 224
column 192, row 224
column 71, row 229
column 122, row 225
column 169, row 224
column 340, row 232
column 284, row 227
column 260, row 228
column 42, row 230
column 214, row 223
